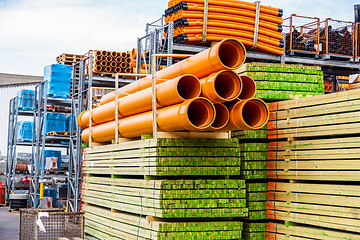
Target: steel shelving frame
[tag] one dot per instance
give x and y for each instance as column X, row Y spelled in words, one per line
column 12, row 143
column 43, row 141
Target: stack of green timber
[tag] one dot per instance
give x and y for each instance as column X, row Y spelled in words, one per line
column 280, row 231
column 274, row 82
column 316, row 146
column 284, row 81
column 164, row 189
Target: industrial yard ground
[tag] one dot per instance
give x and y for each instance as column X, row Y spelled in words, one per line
column 9, row 224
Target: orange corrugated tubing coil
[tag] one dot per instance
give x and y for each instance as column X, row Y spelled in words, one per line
column 227, row 19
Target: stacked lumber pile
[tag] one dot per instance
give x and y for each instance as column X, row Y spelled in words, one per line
column 68, row 59
column 164, row 189
column 276, row 82
column 315, row 139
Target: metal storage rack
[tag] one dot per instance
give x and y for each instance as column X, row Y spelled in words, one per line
column 80, row 101
column 156, row 43
column 43, row 141
column 12, row 143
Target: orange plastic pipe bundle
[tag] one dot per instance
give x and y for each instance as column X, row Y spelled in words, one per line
column 229, row 54
column 227, row 19
column 192, row 115
column 226, row 101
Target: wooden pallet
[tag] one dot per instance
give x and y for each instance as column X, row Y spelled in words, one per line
column 55, row 172
column 334, row 206
column 58, row 133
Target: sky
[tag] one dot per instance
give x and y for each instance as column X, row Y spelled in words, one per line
column 34, row 32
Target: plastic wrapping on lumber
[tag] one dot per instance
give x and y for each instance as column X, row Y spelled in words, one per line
column 247, row 114
column 248, row 5
column 225, row 31
column 193, row 24
column 228, row 54
column 192, row 115
column 168, row 93
column 221, row 86
column 213, row 37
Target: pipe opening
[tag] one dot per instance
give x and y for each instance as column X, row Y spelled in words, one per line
column 228, row 85
column 222, row 116
column 232, row 54
column 200, row 113
column 255, row 113
column 188, row 87
column 249, row 87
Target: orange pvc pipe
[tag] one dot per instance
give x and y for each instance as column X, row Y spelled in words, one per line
column 221, row 119
column 248, row 114
column 249, row 87
column 238, row 33
column 222, row 17
column 192, row 115
column 248, row 5
column 234, row 4
column 235, row 11
column 228, row 54
column 221, row 86
column 168, row 93
column 236, row 26
column 245, row 41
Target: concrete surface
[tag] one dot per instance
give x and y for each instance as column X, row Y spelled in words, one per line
column 9, row 224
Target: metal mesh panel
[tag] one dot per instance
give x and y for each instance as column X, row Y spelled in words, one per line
column 337, row 38
column 302, row 34
column 357, row 40
column 58, row 224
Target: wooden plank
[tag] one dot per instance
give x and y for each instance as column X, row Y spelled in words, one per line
column 324, row 210
column 329, row 119
column 326, row 109
column 317, row 220
column 315, row 175
column 316, row 188
column 314, row 165
column 332, row 143
column 316, row 100
column 310, row 232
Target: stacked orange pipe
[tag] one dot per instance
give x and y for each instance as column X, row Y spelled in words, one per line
column 227, row 19
column 226, row 101
column 229, row 54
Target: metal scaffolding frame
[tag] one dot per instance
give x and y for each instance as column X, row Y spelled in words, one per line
column 12, row 143
column 43, row 141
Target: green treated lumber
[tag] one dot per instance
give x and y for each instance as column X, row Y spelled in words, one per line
column 169, row 213
column 256, row 187
column 286, row 77
column 255, row 226
column 276, row 95
column 165, row 142
column 253, row 147
column 289, row 86
column 274, row 67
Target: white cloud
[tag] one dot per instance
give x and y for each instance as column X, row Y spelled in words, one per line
column 34, row 32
